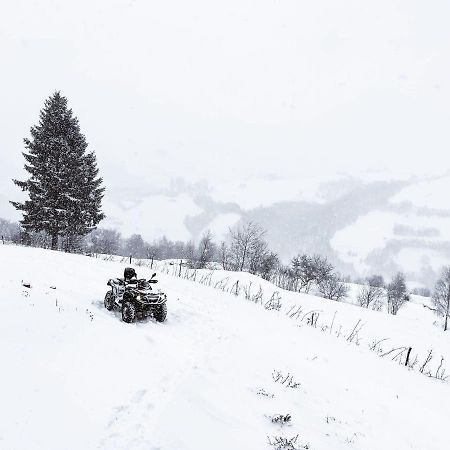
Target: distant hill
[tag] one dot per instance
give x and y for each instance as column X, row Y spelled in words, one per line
column 362, row 226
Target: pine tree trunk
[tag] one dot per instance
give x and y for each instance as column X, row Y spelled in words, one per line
column 54, row 241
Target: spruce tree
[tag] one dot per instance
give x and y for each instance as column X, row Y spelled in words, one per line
column 64, row 190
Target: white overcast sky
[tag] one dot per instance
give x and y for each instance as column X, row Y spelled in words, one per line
column 231, row 90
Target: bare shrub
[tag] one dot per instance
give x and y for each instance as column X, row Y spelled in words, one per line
column 333, row 288
column 371, row 293
column 268, row 265
column 396, row 293
column 205, row 252
column 286, row 380
column 282, row 443
column 280, row 419
column 307, row 270
column 274, row 303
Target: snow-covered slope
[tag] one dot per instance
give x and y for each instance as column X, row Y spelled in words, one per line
column 410, row 232
column 74, row 376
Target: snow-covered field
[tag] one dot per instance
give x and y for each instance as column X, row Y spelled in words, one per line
column 75, row 377
column 413, row 232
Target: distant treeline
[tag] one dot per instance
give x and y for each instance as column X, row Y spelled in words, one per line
column 245, row 249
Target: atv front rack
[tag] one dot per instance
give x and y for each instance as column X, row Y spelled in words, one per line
column 153, row 299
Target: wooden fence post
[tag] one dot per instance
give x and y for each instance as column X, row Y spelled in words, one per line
column 407, row 356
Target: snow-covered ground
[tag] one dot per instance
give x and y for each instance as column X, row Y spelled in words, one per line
column 75, row 377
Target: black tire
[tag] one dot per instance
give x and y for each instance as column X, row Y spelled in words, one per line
column 109, row 301
column 160, row 312
column 128, row 312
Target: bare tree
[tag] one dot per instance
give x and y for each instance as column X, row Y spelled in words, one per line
column 323, row 268
column 224, row 256
column 9, row 231
column 268, row 265
column 332, row 287
column 189, row 254
column 372, row 292
column 376, row 281
column 259, row 251
column 206, row 250
column 441, row 296
column 396, row 293
column 246, row 246
column 152, row 251
column 307, row 270
column 302, row 272
column 165, row 248
column 284, row 277
column 135, row 246
column 104, row 241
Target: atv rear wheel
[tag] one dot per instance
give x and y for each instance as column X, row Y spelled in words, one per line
column 109, row 301
column 160, row 312
column 128, row 312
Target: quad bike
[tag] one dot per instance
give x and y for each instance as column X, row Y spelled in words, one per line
column 135, row 298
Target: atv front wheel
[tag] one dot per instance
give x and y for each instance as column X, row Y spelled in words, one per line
column 160, row 312
column 109, row 301
column 128, row 312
